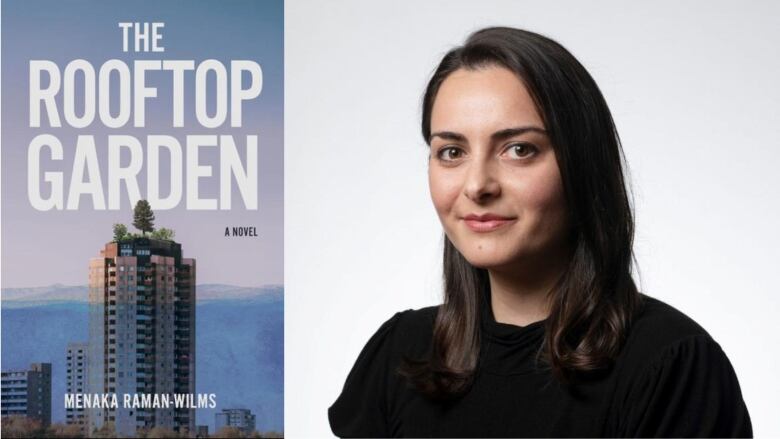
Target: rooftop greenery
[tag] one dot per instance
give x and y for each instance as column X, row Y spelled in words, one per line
column 143, row 220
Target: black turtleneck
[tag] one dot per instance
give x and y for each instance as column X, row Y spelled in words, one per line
column 671, row 379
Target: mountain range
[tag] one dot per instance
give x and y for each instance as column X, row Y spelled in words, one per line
column 79, row 293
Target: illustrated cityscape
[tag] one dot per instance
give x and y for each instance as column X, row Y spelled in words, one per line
column 142, row 297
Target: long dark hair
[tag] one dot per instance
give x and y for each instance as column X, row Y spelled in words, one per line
column 593, row 302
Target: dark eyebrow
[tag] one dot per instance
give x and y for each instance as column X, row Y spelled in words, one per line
column 448, row 135
column 516, row 131
column 498, row 135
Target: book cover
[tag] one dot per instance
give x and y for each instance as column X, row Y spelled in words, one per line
column 142, row 219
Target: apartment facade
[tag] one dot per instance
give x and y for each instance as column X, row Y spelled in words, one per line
column 141, row 333
column 76, row 364
column 242, row 419
column 27, row 393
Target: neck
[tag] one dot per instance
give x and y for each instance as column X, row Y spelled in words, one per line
column 520, row 296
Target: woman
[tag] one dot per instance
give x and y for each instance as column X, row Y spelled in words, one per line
column 542, row 331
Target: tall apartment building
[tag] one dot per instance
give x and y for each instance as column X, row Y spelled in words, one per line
column 27, row 393
column 142, row 333
column 76, row 363
column 241, row 419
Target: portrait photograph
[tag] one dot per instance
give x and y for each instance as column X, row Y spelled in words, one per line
column 544, row 219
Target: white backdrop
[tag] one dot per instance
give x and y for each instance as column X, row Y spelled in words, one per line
column 694, row 92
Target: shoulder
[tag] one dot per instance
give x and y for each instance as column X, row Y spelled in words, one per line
column 361, row 408
column 657, row 329
column 406, row 333
column 672, row 372
column 416, row 321
column 411, row 331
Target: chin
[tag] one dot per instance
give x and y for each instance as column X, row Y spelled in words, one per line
column 487, row 257
column 489, row 263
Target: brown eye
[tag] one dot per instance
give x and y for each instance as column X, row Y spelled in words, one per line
column 450, row 154
column 519, row 151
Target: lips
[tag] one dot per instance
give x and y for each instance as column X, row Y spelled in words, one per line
column 486, row 222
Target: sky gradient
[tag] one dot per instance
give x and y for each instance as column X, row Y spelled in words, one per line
column 43, row 248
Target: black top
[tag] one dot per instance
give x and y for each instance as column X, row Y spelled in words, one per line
column 671, row 379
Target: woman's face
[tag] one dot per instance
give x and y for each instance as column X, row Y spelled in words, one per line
column 493, row 175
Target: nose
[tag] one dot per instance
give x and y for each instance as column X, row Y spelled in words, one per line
column 481, row 185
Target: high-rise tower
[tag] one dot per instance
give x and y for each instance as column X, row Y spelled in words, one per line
column 142, row 332
column 77, row 382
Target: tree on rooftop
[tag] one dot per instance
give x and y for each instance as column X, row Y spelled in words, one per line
column 143, row 217
column 120, row 232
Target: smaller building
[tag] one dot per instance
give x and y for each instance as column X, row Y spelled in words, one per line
column 202, row 431
column 28, row 393
column 241, row 419
column 76, row 361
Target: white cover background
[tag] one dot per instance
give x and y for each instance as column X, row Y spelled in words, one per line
column 693, row 87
